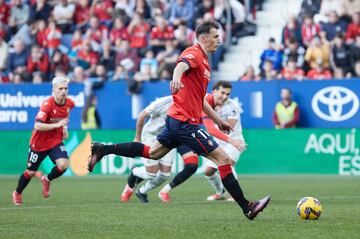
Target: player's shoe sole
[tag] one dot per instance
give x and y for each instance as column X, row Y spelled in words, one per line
column 16, row 198
column 141, row 196
column 95, row 155
column 258, row 207
column 126, row 194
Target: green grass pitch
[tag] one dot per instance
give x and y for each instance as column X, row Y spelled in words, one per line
column 89, row 207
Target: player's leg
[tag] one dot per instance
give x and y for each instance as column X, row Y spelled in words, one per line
column 214, row 179
column 165, row 164
column 223, row 161
column 33, row 163
column 191, row 162
column 138, row 174
column 59, row 156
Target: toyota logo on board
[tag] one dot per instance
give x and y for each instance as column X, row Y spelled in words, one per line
column 335, row 103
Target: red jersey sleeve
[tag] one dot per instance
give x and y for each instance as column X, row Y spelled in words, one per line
column 44, row 112
column 189, row 58
column 71, row 104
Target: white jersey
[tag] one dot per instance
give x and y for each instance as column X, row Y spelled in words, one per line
column 157, row 111
column 231, row 110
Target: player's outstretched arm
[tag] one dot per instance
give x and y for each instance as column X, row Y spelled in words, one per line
column 140, row 125
column 46, row 127
column 175, row 84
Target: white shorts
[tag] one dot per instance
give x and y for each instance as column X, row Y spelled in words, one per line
column 167, row 160
column 233, row 153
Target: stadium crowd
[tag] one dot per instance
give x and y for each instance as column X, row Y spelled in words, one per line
column 322, row 42
column 103, row 40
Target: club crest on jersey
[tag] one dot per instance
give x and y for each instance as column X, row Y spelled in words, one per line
column 193, row 135
column 210, row 142
column 54, row 111
column 189, row 56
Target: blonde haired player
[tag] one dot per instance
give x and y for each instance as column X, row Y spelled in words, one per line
column 50, row 129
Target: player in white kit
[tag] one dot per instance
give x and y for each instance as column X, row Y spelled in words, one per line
column 156, row 171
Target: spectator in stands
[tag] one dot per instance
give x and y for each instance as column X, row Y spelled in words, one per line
column 353, row 28
column 108, row 55
column 52, row 36
column 168, row 57
column 40, row 33
column 206, row 6
column 76, row 41
column 291, row 71
column 4, row 53
column 102, row 10
column 294, row 51
column 182, row 10
column 333, row 26
column 124, row 8
column 120, row 74
column 160, row 33
column 149, row 59
column 41, row 10
column 309, row 7
column 119, row 32
column 138, row 30
column 340, row 57
column 291, row 30
column 126, row 52
column 317, row 50
column 145, row 74
column 37, row 77
column 97, row 33
column 355, row 51
column 273, row 54
column 249, row 75
column 78, row 75
column 18, row 59
column 309, row 30
column 86, row 57
column 19, row 14
column 17, row 78
column 268, row 73
column 63, row 14
column 184, row 36
column 38, row 61
column 328, row 6
column 82, row 14
column 287, row 112
column 4, row 12
column 58, row 60
column 90, row 118
column 319, row 72
column 142, row 7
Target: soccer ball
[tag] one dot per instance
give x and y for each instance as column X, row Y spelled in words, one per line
column 309, row 208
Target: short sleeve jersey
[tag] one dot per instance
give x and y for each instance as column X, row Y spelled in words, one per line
column 157, row 111
column 189, row 101
column 50, row 112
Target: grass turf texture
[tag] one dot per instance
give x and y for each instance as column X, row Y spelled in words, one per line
column 89, row 207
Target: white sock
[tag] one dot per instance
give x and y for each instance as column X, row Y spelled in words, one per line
column 216, row 183
column 166, row 188
column 155, row 182
column 234, row 172
column 142, row 173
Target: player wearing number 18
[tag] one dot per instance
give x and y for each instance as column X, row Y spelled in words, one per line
column 50, row 129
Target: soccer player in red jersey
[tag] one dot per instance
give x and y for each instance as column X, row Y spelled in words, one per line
column 50, row 130
column 188, row 87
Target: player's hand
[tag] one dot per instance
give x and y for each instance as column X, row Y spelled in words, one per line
column 62, row 123
column 238, row 144
column 175, row 86
column 224, row 126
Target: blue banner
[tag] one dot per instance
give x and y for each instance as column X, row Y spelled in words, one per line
column 323, row 104
column 20, row 103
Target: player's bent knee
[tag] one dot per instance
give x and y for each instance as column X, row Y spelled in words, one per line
column 209, row 172
column 191, row 167
column 30, row 173
column 63, row 164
